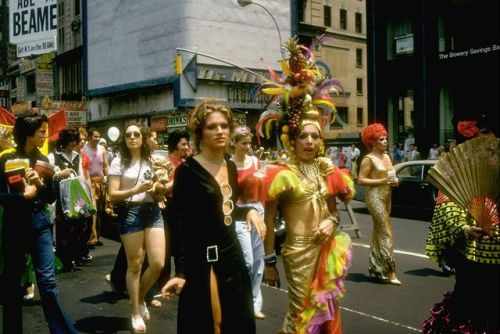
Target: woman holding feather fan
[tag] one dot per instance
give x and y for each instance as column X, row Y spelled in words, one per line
column 466, row 236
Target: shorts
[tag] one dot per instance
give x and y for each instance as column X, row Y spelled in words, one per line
column 139, row 217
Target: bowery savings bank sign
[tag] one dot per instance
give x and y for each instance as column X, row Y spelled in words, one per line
column 33, row 26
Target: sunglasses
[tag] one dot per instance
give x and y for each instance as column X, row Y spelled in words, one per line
column 133, row 134
column 227, row 203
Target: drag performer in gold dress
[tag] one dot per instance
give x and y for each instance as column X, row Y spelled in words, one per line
column 373, row 173
column 315, row 254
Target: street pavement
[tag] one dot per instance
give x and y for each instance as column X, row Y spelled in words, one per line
column 368, row 307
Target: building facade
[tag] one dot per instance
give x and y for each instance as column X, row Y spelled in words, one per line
column 345, row 54
column 128, row 53
column 432, row 64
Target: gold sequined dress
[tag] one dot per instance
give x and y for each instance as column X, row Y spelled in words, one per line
column 302, row 202
column 378, row 201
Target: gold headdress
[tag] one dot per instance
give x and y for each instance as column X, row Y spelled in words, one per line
column 302, row 94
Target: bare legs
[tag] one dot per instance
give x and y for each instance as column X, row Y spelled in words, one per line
column 152, row 242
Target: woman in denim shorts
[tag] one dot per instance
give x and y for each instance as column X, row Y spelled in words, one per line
column 140, row 220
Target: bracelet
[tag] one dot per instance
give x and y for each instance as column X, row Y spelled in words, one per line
column 270, row 260
column 268, row 256
column 334, row 220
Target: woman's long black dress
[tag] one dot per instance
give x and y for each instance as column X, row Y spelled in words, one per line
column 201, row 241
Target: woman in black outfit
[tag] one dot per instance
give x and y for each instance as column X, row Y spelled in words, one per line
column 211, row 276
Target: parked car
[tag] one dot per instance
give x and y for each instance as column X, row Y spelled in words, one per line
column 414, row 191
column 414, row 194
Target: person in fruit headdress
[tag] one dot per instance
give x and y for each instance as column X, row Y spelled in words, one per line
column 315, row 254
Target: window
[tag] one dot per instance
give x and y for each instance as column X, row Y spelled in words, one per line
column 359, row 86
column 359, row 114
column 343, row 19
column 61, row 39
column 340, row 121
column 327, row 16
column 77, row 7
column 61, row 9
column 30, row 84
column 359, row 24
column 359, row 58
column 399, row 38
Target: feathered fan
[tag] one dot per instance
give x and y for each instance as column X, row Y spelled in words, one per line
column 469, row 176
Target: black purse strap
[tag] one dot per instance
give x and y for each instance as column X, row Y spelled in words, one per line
column 136, row 180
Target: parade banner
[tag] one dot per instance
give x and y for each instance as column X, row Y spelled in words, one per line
column 33, row 26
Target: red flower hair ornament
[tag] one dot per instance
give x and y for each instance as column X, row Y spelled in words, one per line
column 468, row 129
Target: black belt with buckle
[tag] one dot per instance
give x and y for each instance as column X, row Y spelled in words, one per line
column 212, row 253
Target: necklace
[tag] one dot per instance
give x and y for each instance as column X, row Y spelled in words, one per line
column 310, row 170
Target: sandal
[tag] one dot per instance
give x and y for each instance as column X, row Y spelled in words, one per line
column 144, row 311
column 138, row 325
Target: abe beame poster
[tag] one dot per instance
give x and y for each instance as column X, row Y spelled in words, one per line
column 33, row 26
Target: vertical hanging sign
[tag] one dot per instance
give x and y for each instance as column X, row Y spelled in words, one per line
column 33, row 26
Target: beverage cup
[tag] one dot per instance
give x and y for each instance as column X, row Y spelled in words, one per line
column 391, row 174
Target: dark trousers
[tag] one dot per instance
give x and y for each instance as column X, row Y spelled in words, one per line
column 31, row 234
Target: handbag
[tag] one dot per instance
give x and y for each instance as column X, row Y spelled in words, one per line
column 76, row 197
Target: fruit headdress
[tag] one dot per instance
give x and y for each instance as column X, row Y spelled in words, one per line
column 301, row 95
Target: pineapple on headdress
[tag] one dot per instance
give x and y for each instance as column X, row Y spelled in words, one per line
column 303, row 88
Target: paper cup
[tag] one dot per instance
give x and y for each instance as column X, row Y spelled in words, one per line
column 391, row 174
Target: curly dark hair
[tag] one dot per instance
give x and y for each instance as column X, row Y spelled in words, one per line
column 66, row 136
column 125, row 152
column 174, row 138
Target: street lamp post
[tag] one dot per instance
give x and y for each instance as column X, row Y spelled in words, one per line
column 244, row 3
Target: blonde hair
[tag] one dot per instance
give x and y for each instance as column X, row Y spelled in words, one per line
column 200, row 115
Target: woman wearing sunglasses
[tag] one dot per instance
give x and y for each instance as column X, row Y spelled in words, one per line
column 140, row 221
column 211, row 276
column 249, row 184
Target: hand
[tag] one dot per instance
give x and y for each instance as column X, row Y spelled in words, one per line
column 29, row 190
column 394, row 182
column 63, row 174
column 255, row 219
column 173, row 287
column 143, row 186
column 271, row 277
column 476, row 233
column 324, row 230
column 33, row 178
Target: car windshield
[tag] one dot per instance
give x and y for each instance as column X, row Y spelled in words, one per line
column 414, row 171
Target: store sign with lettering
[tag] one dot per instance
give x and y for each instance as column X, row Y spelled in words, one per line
column 159, row 124
column 44, row 83
column 76, row 117
column 177, row 120
column 33, row 26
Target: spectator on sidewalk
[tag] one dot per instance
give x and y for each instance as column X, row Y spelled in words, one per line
column 140, row 222
column 98, row 169
column 355, row 152
column 434, row 152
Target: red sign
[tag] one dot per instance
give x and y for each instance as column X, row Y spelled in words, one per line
column 159, row 124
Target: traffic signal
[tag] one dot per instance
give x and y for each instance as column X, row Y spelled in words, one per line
column 178, row 64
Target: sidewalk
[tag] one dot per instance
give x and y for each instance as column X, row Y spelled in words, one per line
column 87, row 299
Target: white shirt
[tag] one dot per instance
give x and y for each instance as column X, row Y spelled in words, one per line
column 130, row 177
